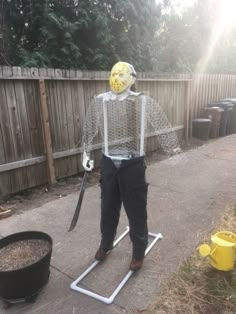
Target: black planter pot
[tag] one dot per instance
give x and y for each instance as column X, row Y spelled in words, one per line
column 25, row 282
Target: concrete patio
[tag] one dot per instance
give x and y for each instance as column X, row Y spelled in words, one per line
column 186, row 197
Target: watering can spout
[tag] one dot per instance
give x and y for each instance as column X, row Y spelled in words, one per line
column 205, row 250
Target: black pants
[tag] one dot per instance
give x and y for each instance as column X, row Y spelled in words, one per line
column 126, row 185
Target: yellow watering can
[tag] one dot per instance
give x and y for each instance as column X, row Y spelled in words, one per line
column 222, row 251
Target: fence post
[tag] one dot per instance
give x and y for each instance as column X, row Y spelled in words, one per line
column 187, row 111
column 47, row 132
column 190, row 107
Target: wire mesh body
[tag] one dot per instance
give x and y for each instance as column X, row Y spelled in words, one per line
column 123, row 125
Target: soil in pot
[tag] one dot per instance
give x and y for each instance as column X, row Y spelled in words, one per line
column 22, row 253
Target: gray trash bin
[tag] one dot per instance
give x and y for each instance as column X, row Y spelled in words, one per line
column 232, row 128
column 225, row 124
column 201, row 128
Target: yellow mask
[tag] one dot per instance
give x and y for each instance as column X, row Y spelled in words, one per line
column 122, row 77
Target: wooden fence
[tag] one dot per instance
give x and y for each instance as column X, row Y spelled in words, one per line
column 42, row 113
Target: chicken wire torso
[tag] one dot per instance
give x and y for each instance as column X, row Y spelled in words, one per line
column 125, row 124
column 122, row 124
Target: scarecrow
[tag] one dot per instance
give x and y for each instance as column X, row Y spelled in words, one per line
column 124, row 119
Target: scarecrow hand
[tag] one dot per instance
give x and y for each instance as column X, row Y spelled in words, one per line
column 87, row 163
column 177, row 150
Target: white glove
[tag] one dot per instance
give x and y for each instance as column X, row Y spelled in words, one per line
column 87, row 163
column 177, row 150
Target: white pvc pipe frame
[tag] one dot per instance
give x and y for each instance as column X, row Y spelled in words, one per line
column 109, row 300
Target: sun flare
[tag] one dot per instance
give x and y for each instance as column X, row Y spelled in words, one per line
column 225, row 21
column 227, row 9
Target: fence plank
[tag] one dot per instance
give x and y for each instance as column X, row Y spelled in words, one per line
column 33, row 113
column 67, row 166
column 29, row 177
column 69, row 114
column 18, row 177
column 2, row 151
column 55, row 117
column 21, row 105
column 5, row 125
column 62, row 115
column 187, row 111
column 77, row 96
column 14, row 120
column 7, row 152
column 31, row 92
column 47, row 133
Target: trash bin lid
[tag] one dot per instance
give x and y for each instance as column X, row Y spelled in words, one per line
column 201, row 120
column 232, row 100
column 219, row 109
column 224, row 105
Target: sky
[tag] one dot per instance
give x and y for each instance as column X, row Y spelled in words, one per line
column 179, row 5
column 226, row 9
column 183, row 3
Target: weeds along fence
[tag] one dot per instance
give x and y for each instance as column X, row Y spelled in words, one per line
column 42, row 112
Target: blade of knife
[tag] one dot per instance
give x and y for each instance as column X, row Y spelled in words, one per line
column 78, row 207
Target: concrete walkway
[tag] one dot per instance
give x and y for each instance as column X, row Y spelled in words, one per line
column 186, row 197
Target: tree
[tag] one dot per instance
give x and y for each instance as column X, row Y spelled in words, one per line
column 40, row 35
column 3, row 35
column 86, row 34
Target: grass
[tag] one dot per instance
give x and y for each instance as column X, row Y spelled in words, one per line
column 197, row 287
